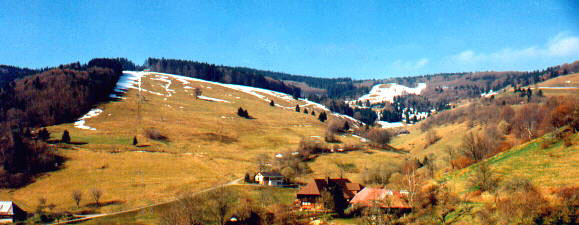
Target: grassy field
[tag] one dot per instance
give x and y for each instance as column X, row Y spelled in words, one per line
column 415, row 142
column 565, row 85
column 153, row 214
column 355, row 162
column 551, row 167
column 208, row 144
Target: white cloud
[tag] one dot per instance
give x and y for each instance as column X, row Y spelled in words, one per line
column 563, row 45
column 421, row 63
column 410, row 65
column 559, row 46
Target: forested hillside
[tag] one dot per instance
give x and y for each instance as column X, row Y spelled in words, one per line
column 449, row 87
column 54, row 96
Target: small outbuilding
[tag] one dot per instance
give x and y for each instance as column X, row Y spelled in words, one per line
column 10, row 212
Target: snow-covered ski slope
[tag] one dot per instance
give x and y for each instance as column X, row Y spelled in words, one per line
column 387, row 92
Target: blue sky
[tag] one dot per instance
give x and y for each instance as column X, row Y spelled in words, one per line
column 358, row 39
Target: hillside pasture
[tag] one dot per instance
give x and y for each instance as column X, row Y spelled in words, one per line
column 206, row 144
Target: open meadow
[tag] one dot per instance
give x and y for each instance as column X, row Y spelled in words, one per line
column 206, row 144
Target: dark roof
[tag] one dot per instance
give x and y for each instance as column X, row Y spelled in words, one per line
column 270, row 174
column 318, row 185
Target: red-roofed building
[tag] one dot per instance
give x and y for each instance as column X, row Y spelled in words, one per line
column 309, row 196
column 383, row 198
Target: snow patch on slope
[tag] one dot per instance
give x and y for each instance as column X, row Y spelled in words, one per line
column 257, row 92
column 129, row 79
column 212, row 99
column 387, row 92
column 385, row 124
column 80, row 123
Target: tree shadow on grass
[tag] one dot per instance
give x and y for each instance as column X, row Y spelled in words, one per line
column 218, row 137
column 106, row 203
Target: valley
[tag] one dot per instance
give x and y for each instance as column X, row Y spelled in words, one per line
column 162, row 137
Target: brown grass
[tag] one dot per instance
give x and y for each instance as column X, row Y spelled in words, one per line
column 209, row 144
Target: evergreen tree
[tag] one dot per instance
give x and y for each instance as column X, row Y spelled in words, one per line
column 271, row 103
column 297, row 108
column 43, row 134
column 242, row 113
column 65, row 137
column 337, row 192
column 305, row 111
column 247, row 179
column 346, row 126
column 322, row 117
column 313, row 113
column 135, row 142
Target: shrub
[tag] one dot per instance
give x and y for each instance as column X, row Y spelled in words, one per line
column 243, row 113
column 461, row 162
column 154, row 134
column 43, row 134
column 379, row 136
column 330, row 137
column 431, row 137
column 477, row 146
column 483, row 178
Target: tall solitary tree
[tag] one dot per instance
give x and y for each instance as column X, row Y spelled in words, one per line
column 96, row 195
column 65, row 137
column 77, row 196
column 271, row 103
column 297, row 108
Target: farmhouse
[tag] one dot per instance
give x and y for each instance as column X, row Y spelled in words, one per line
column 269, row 178
column 10, row 212
column 309, row 196
column 383, row 198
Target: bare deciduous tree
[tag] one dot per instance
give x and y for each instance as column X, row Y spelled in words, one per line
column 77, row 196
column 476, row 146
column 431, row 137
column 96, row 195
column 379, row 136
column 197, row 92
column 263, row 161
column 484, row 178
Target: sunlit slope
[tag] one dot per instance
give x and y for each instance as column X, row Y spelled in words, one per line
column 547, row 167
column 207, row 143
column 563, row 85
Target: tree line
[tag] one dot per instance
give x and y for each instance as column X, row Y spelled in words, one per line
column 223, row 74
